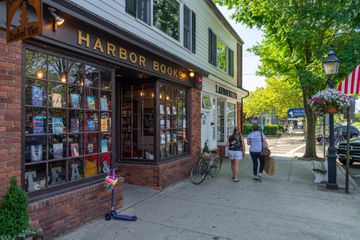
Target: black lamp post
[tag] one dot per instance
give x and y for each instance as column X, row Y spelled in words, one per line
column 331, row 66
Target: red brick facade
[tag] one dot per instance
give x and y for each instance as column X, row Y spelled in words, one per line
column 160, row 176
column 62, row 212
column 10, row 111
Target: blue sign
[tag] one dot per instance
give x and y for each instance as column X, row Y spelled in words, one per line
column 296, row 113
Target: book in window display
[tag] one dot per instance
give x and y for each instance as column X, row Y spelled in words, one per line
column 75, row 100
column 91, row 125
column 36, row 153
column 174, row 110
column 162, row 109
column 162, row 138
column 37, row 96
column 104, row 145
column 56, row 100
column 162, row 123
column 38, row 124
column 74, row 149
column 90, row 148
column 58, row 150
column 168, row 110
column 168, row 138
column 104, row 124
column 104, row 104
column 90, row 102
column 57, row 125
column 74, row 125
column 167, row 123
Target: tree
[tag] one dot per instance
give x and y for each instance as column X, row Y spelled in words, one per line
column 297, row 36
column 279, row 95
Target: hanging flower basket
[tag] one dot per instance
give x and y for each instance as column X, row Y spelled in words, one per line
column 329, row 101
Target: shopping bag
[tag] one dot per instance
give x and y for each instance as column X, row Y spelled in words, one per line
column 269, row 166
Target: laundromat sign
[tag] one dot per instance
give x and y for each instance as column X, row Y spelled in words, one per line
column 127, row 55
column 226, row 92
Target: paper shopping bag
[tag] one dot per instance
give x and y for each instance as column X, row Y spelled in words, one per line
column 269, row 166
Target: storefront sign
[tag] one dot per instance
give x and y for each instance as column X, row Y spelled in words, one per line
column 225, row 92
column 29, row 16
column 129, row 56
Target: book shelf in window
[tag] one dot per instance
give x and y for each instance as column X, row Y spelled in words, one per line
column 58, row 107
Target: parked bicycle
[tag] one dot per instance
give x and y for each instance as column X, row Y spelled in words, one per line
column 208, row 164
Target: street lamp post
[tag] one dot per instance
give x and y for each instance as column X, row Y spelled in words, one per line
column 331, row 67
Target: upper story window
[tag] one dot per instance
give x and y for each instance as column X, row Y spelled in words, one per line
column 189, row 29
column 220, row 55
column 139, row 9
column 166, row 16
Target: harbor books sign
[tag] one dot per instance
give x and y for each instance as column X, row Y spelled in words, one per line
column 225, row 92
column 23, row 20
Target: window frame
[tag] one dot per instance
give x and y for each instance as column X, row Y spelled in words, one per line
column 85, row 181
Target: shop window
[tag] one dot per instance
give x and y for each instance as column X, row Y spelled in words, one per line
column 174, row 122
column 189, row 29
column 67, row 120
column 206, row 102
column 137, row 122
column 231, row 118
column 221, row 121
column 166, row 17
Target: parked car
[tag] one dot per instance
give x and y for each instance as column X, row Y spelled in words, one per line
column 354, row 151
column 342, row 130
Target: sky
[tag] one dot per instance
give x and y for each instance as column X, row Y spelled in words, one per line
column 250, row 62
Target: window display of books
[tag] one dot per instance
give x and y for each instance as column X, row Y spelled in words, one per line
column 56, row 100
column 104, row 145
column 37, row 96
column 57, row 125
column 104, row 104
column 90, row 102
column 58, row 150
column 74, row 149
column 74, row 125
column 38, row 124
column 75, row 100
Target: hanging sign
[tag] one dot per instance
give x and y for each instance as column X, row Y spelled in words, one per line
column 296, row 113
column 24, row 19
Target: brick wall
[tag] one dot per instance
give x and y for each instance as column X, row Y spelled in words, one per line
column 62, row 213
column 159, row 176
column 10, row 111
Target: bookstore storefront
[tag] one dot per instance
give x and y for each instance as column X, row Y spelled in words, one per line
column 91, row 101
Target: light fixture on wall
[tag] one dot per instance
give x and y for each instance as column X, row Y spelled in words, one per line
column 40, row 74
column 192, row 74
column 57, row 20
column 63, row 77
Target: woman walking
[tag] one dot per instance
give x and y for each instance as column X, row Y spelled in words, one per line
column 236, row 152
column 256, row 139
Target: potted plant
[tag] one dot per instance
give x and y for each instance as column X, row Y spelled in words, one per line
column 329, row 101
column 14, row 217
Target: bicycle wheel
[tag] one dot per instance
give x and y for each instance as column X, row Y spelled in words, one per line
column 215, row 167
column 199, row 172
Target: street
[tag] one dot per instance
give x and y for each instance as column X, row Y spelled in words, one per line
column 285, row 206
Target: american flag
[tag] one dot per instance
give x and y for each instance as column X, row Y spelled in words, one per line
column 351, row 84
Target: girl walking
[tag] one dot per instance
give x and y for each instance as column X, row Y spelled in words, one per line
column 256, row 139
column 236, row 152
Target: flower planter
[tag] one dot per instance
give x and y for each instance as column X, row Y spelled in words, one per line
column 332, row 109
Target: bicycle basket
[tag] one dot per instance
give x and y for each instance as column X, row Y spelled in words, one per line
column 206, row 156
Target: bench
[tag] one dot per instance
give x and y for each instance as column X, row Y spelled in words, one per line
column 319, row 170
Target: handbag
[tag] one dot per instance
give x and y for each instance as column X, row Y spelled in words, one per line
column 264, row 150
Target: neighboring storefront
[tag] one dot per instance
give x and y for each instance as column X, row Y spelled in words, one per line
column 220, row 110
column 84, row 100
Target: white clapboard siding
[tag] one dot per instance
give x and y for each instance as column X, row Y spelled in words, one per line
column 113, row 11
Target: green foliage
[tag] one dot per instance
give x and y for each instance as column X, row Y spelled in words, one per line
column 14, row 217
column 247, row 129
column 281, row 128
column 272, row 97
column 297, row 37
column 270, row 129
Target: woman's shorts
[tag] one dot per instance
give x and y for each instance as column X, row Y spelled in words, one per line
column 235, row 155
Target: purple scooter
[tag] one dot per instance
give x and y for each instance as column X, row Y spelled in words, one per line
column 110, row 182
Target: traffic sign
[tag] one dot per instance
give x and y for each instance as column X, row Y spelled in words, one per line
column 296, row 113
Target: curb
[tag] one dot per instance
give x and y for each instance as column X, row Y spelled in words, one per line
column 351, row 180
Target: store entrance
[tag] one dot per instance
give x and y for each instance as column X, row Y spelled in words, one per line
column 136, row 115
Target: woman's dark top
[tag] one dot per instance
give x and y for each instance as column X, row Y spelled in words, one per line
column 234, row 145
